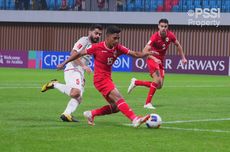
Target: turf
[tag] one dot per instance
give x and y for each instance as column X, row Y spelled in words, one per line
column 29, row 119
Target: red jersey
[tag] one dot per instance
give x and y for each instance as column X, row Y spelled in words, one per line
column 104, row 59
column 160, row 45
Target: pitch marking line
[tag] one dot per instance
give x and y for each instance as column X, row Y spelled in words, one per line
column 202, row 120
column 192, row 129
column 196, row 129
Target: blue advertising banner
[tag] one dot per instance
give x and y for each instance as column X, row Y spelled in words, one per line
column 51, row 59
column 123, row 64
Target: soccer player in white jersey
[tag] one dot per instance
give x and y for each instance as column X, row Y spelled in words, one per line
column 74, row 74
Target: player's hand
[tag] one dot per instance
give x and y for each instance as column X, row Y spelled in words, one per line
column 184, row 60
column 87, row 69
column 60, row 66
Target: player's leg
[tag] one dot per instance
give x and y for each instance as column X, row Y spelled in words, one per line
column 152, row 90
column 104, row 87
column 116, row 97
column 74, row 80
column 134, row 82
column 105, row 110
column 156, row 84
column 155, row 73
column 108, row 90
column 72, row 105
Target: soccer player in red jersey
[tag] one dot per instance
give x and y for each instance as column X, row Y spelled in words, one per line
column 158, row 42
column 105, row 53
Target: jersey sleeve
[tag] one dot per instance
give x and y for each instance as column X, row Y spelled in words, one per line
column 91, row 49
column 152, row 39
column 122, row 49
column 173, row 37
column 80, row 44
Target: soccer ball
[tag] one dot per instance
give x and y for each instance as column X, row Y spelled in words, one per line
column 154, row 121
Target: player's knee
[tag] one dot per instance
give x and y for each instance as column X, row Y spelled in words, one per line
column 159, row 86
column 115, row 95
column 114, row 108
column 75, row 93
column 157, row 81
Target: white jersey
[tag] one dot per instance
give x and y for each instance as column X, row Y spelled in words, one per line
column 79, row 46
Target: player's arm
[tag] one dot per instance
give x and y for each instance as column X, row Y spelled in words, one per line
column 180, row 51
column 148, row 48
column 85, row 67
column 141, row 54
column 74, row 55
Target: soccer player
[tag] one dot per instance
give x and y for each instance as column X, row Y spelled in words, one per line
column 159, row 42
column 105, row 53
column 74, row 74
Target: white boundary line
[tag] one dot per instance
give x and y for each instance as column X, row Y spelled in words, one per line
column 196, row 129
column 188, row 121
column 193, row 129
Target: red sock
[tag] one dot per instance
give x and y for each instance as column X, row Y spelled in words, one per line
column 124, row 108
column 151, row 93
column 142, row 83
column 105, row 110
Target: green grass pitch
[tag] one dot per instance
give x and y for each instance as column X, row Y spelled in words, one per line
column 195, row 109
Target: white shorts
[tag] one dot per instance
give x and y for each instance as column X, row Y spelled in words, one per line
column 75, row 79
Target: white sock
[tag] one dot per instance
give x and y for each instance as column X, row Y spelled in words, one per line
column 71, row 106
column 63, row 88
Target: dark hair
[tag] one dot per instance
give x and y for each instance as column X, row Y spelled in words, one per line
column 163, row 20
column 95, row 26
column 112, row 29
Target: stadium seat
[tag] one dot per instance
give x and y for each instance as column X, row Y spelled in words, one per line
column 180, row 4
column 54, row 4
column 160, row 8
column 175, row 2
column 227, row 5
column 184, row 8
column 71, row 4
column 197, row 4
column 2, row 4
column 218, row 3
column 189, row 3
column 212, row 3
column 167, row 7
column 10, row 5
column 223, row 8
column 205, row 4
column 130, row 5
column 175, row 8
column 160, row 2
column 139, row 5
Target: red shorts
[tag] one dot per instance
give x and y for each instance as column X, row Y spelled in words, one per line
column 105, row 86
column 153, row 67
